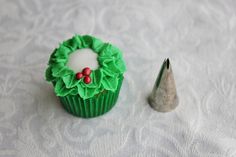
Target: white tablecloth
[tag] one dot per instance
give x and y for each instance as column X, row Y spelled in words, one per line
column 198, row 37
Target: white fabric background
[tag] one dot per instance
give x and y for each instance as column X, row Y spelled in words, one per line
column 198, row 36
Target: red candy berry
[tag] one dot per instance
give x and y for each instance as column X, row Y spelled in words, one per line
column 87, row 79
column 79, row 75
column 86, row 71
column 84, row 74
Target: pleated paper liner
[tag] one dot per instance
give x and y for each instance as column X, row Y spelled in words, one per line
column 92, row 107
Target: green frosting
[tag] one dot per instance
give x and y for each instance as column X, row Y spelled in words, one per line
column 111, row 68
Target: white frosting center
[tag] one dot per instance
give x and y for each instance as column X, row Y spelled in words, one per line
column 82, row 58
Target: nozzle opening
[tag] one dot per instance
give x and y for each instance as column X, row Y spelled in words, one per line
column 167, row 63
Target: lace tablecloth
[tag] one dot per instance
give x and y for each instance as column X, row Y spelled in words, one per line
column 198, row 37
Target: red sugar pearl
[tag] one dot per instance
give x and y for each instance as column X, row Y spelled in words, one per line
column 79, row 75
column 87, row 79
column 86, row 71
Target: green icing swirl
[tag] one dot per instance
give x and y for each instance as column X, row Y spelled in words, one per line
column 111, row 68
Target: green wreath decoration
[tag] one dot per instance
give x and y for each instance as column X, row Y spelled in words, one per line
column 106, row 77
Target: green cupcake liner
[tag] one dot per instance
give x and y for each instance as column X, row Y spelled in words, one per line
column 92, row 107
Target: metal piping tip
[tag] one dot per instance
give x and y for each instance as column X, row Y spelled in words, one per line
column 164, row 95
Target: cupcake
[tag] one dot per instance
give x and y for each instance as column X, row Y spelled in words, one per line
column 87, row 75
